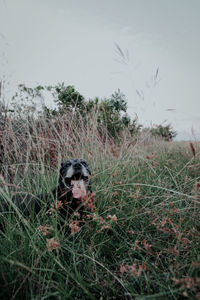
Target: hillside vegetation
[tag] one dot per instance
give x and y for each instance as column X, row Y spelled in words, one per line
column 140, row 241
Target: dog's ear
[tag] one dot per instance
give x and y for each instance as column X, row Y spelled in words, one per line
column 88, row 169
column 85, row 165
column 64, row 166
column 61, row 168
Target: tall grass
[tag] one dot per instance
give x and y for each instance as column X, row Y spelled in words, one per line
column 142, row 241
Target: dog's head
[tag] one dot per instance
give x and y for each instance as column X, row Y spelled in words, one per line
column 73, row 171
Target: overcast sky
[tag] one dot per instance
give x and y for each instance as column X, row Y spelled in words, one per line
column 51, row 41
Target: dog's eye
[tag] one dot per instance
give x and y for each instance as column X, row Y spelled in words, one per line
column 67, row 164
column 84, row 164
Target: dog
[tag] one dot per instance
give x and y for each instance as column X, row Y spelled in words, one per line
column 73, row 185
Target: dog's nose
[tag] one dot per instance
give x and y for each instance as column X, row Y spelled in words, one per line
column 77, row 165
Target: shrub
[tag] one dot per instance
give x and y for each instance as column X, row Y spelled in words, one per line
column 165, row 132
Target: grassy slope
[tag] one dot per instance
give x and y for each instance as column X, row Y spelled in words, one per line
column 149, row 251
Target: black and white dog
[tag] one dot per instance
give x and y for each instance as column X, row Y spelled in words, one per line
column 73, row 184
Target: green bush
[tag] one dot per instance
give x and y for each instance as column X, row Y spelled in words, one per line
column 165, row 132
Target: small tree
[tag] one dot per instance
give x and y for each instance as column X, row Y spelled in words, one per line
column 24, row 100
column 69, row 98
column 112, row 114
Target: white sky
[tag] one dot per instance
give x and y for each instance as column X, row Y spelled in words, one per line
column 51, row 41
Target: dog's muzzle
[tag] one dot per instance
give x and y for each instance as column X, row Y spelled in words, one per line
column 76, row 176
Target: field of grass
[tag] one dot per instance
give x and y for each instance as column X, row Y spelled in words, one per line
column 142, row 241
